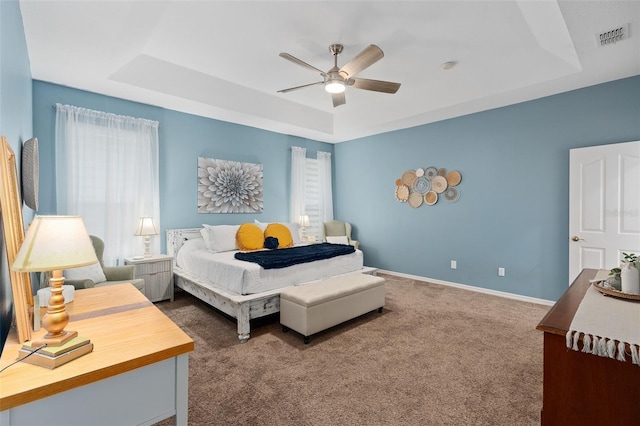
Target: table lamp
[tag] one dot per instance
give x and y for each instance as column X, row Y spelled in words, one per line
column 54, row 243
column 146, row 227
column 304, row 222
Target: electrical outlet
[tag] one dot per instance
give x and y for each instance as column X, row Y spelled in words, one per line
column 501, row 272
column 454, row 264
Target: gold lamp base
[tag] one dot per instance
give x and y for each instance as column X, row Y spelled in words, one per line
column 56, row 317
column 55, row 340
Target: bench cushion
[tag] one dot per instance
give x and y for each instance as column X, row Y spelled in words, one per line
column 313, row 294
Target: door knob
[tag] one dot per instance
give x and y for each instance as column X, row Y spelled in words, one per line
column 576, row 238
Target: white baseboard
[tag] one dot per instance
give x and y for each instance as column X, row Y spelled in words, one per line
column 472, row 288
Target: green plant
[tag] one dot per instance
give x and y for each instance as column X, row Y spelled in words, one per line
column 631, row 259
column 615, row 272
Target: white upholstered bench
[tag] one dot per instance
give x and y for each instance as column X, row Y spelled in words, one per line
column 316, row 306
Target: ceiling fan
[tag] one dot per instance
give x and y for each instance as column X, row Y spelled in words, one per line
column 337, row 79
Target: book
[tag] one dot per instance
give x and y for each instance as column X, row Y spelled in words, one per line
column 52, row 362
column 56, row 350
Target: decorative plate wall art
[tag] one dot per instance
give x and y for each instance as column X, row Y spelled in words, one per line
column 402, row 193
column 425, row 186
column 229, row 186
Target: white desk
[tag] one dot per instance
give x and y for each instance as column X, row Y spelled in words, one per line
column 137, row 373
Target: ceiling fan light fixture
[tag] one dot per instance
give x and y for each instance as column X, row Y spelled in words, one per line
column 334, row 86
column 336, row 80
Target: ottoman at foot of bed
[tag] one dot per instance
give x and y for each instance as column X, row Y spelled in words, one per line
column 317, row 306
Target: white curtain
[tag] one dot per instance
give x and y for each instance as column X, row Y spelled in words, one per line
column 325, row 192
column 107, row 172
column 298, row 182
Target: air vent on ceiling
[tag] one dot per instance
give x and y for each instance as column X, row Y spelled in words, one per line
column 613, row 35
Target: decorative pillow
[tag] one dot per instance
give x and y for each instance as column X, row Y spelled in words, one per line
column 92, row 272
column 281, row 232
column 271, row 243
column 219, row 238
column 338, row 240
column 249, row 237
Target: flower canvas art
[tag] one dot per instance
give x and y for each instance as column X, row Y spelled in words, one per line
column 229, row 186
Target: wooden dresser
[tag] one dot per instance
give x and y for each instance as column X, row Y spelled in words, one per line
column 581, row 388
column 136, row 374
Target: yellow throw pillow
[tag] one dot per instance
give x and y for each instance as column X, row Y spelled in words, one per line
column 249, row 237
column 281, row 232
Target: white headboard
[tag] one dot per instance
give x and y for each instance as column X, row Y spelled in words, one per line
column 177, row 237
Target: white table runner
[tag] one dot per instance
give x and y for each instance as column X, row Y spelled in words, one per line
column 607, row 324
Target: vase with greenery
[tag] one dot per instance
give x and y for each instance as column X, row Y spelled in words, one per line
column 630, row 273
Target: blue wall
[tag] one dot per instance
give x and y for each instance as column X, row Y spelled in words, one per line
column 15, row 123
column 514, row 161
column 183, row 138
column 513, row 210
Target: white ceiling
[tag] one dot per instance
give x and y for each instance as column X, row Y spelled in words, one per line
column 219, row 59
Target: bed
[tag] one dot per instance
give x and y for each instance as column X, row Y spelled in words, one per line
column 243, row 290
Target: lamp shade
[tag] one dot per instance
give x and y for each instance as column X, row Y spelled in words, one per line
column 55, row 242
column 146, row 227
column 304, row 220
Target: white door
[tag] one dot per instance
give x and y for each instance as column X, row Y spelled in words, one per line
column 604, row 205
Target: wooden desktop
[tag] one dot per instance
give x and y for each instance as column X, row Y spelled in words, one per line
column 580, row 388
column 136, row 374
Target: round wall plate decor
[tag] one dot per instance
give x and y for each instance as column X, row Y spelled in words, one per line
column 430, row 198
column 438, row 184
column 402, row 193
column 431, row 172
column 415, row 199
column 408, row 177
column 421, row 185
column 452, row 194
column 453, row 178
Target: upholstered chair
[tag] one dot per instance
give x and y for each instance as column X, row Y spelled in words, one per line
column 98, row 275
column 335, row 229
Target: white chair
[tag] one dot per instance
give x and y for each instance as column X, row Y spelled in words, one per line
column 335, row 231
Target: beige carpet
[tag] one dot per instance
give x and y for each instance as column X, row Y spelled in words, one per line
column 436, row 356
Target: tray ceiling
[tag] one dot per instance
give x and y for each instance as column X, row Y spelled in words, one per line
column 219, row 59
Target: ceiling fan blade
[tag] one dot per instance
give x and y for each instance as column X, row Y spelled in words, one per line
column 375, row 85
column 369, row 56
column 338, row 99
column 299, row 87
column 302, row 63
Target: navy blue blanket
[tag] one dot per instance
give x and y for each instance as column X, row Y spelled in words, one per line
column 281, row 258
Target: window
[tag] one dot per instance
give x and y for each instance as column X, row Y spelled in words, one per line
column 312, row 197
column 107, row 172
column 311, row 189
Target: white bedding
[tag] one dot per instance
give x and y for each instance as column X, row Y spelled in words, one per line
column 222, row 270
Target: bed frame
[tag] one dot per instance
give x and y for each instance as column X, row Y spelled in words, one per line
column 241, row 307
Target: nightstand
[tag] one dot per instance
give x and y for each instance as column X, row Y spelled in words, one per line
column 157, row 272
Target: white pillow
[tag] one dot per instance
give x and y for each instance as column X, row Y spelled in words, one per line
column 294, row 228
column 219, row 238
column 338, row 240
column 93, row 272
column 295, row 232
column 262, row 225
